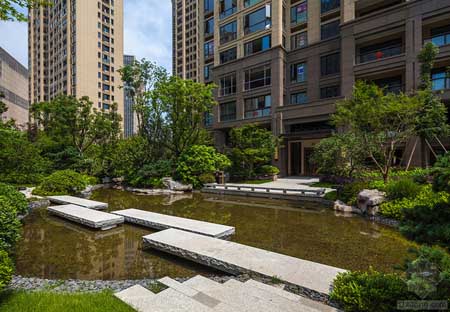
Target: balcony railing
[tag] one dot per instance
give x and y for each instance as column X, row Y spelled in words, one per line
column 256, row 83
column 265, row 24
column 264, row 112
column 380, row 53
column 228, row 12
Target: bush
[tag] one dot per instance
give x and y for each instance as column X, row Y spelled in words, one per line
column 331, row 196
column 429, row 257
column 349, row 193
column 441, row 180
column 10, row 226
column 17, row 198
column 428, row 223
column 268, row 170
column 150, row 175
column 403, row 188
column 369, row 291
column 395, row 208
column 6, row 269
column 206, row 178
column 199, row 160
column 64, row 182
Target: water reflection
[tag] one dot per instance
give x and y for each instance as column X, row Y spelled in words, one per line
column 58, row 249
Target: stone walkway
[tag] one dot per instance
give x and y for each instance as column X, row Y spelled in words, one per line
column 201, row 294
column 237, row 259
column 87, row 203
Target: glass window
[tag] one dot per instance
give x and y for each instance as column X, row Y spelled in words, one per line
column 258, row 106
column 391, row 84
column 207, row 71
column 330, row 92
column 330, row 64
column 257, row 45
column 227, row 7
column 258, row 20
column 228, row 32
column 257, row 77
column 209, row 27
column 328, row 5
column 440, row 79
column 228, row 55
column 299, row 98
column 209, row 6
column 329, row 30
column 249, row 3
column 227, row 111
column 380, row 51
column 208, row 119
column 227, row 85
column 299, row 13
column 440, row 36
column 299, row 40
column 209, row 49
column 298, row 72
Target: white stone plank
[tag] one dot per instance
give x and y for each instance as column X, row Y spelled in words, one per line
column 91, row 218
column 237, row 258
column 87, row 203
column 162, row 222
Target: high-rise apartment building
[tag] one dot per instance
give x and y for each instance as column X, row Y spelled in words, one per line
column 285, row 64
column 76, row 48
column 14, row 88
column 129, row 116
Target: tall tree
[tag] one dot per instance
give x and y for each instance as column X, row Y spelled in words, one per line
column 381, row 121
column 9, row 9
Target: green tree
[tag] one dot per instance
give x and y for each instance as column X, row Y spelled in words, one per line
column 342, row 155
column 380, row 121
column 183, row 103
column 251, row 148
column 10, row 124
column 9, row 9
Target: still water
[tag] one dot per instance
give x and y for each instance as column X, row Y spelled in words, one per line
column 58, row 249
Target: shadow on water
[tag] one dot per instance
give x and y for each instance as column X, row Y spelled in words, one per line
column 54, row 248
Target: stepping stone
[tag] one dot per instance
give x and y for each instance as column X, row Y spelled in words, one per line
column 236, row 258
column 87, row 203
column 161, row 222
column 136, row 296
column 88, row 217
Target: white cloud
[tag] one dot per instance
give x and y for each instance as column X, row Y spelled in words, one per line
column 147, row 32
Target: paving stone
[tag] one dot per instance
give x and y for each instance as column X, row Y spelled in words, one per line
column 87, row 203
column 91, row 218
column 137, row 297
column 162, row 222
column 236, row 258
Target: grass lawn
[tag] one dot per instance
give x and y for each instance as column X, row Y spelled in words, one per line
column 57, row 302
column 323, row 184
column 254, row 181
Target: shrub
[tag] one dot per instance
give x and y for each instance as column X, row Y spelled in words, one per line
column 395, row 209
column 378, row 185
column 10, row 226
column 429, row 257
column 206, row 178
column 441, row 180
column 428, row 223
column 403, row 188
column 64, row 182
column 331, row 196
column 6, row 269
column 150, row 175
column 17, row 198
column 349, row 193
column 369, row 291
column 268, row 170
column 199, row 160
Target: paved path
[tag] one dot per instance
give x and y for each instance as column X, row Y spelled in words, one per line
column 65, row 199
column 237, row 258
column 91, row 218
column 201, row 294
column 162, row 222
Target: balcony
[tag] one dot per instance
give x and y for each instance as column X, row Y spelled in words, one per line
column 384, row 51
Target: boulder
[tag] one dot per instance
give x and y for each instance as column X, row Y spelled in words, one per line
column 342, row 207
column 172, row 185
column 369, row 201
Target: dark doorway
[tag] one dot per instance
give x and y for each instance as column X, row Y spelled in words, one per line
column 295, row 159
column 310, row 169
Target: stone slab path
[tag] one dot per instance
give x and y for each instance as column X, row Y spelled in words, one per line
column 91, row 218
column 236, row 258
column 201, row 294
column 87, row 203
column 162, row 222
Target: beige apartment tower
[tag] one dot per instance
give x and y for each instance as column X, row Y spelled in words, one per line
column 76, row 48
column 285, row 64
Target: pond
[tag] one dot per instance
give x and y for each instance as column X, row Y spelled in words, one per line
column 57, row 249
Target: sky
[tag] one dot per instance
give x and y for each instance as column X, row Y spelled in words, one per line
column 147, row 32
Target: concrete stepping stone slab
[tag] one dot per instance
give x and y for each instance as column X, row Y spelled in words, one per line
column 82, row 202
column 235, row 298
column 237, row 258
column 88, row 217
column 316, row 306
column 161, row 222
column 136, row 296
